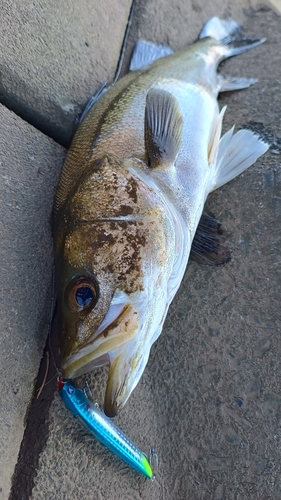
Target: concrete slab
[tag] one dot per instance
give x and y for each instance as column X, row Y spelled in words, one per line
column 55, row 56
column 209, row 400
column 29, row 167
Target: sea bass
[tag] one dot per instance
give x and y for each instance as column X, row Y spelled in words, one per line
column 129, row 204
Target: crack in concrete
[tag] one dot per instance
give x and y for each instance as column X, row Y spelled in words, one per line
column 30, row 113
column 37, row 428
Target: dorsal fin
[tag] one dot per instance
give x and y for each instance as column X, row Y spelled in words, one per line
column 213, row 145
column 163, row 127
column 104, row 88
column 146, row 52
column 207, row 246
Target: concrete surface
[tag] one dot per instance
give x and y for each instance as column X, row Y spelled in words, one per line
column 209, row 401
column 55, row 55
column 29, row 166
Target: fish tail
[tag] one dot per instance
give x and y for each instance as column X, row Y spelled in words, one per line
column 227, row 32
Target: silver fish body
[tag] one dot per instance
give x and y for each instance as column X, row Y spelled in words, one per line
column 130, row 198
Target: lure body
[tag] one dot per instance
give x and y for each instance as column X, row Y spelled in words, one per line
column 103, row 428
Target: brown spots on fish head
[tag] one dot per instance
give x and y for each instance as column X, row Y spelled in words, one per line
column 108, row 192
column 132, row 189
column 120, row 247
column 126, row 210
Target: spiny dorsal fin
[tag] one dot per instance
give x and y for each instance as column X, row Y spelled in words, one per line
column 104, row 88
column 146, row 52
column 207, row 246
column 163, row 127
column 215, row 137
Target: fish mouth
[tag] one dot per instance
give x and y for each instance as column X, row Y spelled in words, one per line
column 118, row 327
column 116, row 343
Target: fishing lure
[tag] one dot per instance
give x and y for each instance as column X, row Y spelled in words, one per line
column 103, row 428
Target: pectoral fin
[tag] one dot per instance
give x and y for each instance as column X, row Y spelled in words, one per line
column 207, row 246
column 163, row 127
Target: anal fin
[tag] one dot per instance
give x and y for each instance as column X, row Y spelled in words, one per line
column 228, row 83
column 208, row 243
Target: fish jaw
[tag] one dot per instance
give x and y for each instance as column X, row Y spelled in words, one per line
column 126, row 368
column 122, row 327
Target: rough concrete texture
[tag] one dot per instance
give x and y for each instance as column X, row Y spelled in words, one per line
column 209, row 401
column 56, row 55
column 29, row 168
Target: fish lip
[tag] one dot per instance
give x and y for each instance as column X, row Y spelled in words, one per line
column 110, row 408
column 112, row 402
column 109, row 336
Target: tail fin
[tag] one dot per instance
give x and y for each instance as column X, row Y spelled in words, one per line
column 227, row 32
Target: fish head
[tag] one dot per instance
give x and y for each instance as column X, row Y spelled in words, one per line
column 113, row 244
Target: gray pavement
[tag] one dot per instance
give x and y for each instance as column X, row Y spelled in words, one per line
column 55, row 54
column 209, row 401
column 30, row 164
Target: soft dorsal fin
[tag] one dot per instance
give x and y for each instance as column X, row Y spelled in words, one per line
column 163, row 127
column 207, row 246
column 146, row 52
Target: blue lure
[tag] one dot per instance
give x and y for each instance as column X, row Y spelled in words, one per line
column 103, row 428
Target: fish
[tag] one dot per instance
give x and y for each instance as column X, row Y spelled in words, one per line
column 104, row 429
column 129, row 207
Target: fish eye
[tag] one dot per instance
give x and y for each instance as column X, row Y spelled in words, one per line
column 84, row 296
column 82, row 293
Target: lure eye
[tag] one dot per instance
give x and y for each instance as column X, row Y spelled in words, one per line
column 82, row 294
column 70, row 390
